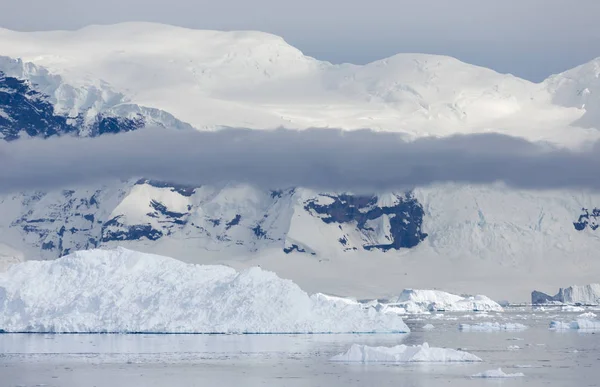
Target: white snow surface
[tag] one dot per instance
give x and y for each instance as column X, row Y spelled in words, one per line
column 213, row 79
column 414, row 300
column 492, row 327
column 126, row 291
column 403, row 354
column 497, row 374
column 583, row 324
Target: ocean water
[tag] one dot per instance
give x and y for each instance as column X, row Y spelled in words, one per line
column 546, row 357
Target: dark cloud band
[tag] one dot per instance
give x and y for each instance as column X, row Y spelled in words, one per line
column 359, row 161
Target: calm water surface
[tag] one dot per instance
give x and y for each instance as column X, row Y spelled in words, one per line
column 547, row 358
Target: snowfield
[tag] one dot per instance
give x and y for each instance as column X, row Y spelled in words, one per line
column 404, row 354
column 125, row 291
column 416, row 301
column 201, row 77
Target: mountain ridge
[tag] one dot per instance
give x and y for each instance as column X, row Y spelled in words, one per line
column 200, row 76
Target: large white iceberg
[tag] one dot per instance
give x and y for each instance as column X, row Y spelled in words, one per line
column 415, row 301
column 404, row 354
column 497, row 374
column 492, row 327
column 576, row 294
column 126, row 291
column 580, row 324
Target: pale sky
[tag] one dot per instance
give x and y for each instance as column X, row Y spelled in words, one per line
column 529, row 38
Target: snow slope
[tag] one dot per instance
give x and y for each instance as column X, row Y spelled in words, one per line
column 125, row 291
column 202, row 77
column 404, row 354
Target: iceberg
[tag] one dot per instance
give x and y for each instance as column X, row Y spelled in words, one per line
column 580, row 324
column 420, row 301
column 492, row 327
column 404, row 354
column 497, row 374
column 124, row 291
column 574, row 295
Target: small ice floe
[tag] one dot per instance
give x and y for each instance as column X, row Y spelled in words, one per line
column 404, row 354
column 572, row 308
column 514, row 347
column 419, row 301
column 492, row 327
column 588, row 315
column 579, row 324
column 515, row 339
column 496, row 374
column 428, row 327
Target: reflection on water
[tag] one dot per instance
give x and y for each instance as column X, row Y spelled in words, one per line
column 544, row 356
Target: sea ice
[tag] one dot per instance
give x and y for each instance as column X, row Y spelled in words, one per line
column 126, row 291
column 403, row 353
column 492, row 327
column 496, row 374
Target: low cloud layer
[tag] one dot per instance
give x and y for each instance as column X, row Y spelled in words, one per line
column 331, row 160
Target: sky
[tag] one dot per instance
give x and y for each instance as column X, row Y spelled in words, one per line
column 528, row 38
column 359, row 161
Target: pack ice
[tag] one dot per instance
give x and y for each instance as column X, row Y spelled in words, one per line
column 403, row 353
column 418, row 301
column 121, row 290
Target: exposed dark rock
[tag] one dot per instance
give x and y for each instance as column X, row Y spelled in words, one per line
column 405, row 224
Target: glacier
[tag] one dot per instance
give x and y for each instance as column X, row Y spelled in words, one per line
column 404, row 354
column 125, row 291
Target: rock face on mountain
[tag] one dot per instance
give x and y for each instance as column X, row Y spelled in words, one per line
column 135, row 76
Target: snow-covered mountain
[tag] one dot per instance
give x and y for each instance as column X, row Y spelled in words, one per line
column 110, row 79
